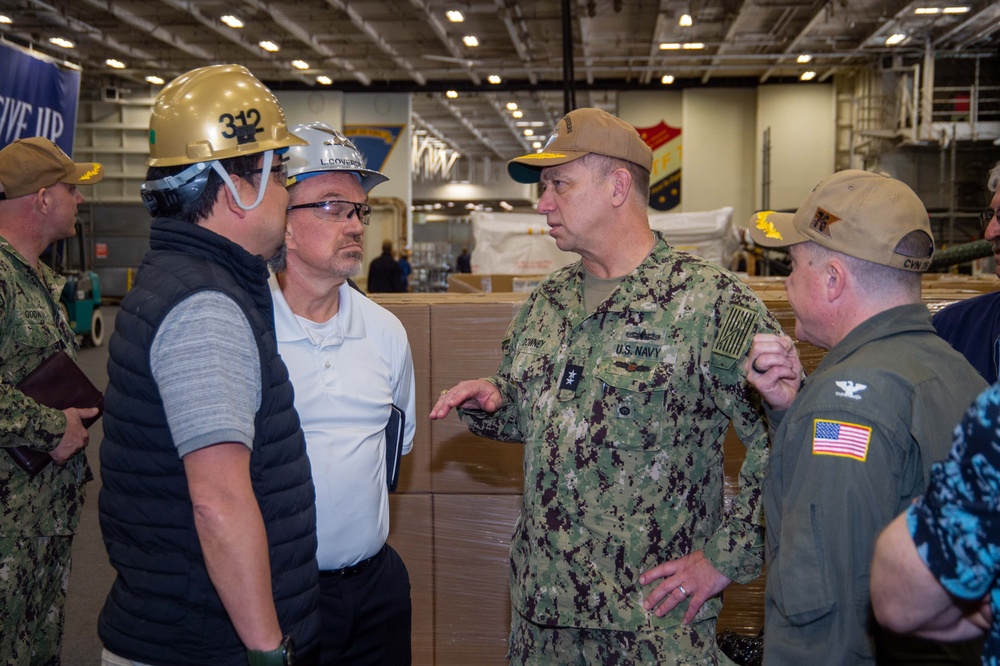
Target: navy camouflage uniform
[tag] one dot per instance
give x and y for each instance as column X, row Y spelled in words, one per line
column 39, row 515
column 623, row 412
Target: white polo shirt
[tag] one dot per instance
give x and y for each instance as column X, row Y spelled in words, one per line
column 346, row 373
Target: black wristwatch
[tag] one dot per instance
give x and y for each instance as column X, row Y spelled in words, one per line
column 283, row 655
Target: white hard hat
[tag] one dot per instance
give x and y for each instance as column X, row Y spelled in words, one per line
column 328, row 150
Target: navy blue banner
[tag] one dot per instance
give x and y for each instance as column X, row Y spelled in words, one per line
column 38, row 97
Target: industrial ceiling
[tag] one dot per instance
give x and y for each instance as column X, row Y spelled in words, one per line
column 412, row 46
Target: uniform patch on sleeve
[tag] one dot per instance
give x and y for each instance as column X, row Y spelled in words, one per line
column 838, row 438
column 735, row 334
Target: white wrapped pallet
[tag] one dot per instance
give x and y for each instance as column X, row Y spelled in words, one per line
column 519, row 243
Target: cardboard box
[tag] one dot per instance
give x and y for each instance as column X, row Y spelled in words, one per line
column 411, row 534
column 471, row 578
column 465, row 344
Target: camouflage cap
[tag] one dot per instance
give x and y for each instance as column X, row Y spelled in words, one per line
column 28, row 165
column 581, row 132
column 857, row 213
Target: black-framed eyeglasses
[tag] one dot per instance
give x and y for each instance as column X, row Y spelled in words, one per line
column 986, row 217
column 338, row 211
column 279, row 170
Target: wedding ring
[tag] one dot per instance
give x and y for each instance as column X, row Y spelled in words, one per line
column 444, row 391
column 683, row 591
column 756, row 369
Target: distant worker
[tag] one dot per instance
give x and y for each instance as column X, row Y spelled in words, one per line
column 350, row 362
column 384, row 273
column 39, row 196
column 405, row 269
column 463, row 264
column 972, row 326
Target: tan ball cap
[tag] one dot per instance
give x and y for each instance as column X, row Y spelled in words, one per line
column 581, row 132
column 857, row 213
column 28, row 165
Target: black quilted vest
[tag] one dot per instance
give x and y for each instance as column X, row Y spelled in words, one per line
column 163, row 609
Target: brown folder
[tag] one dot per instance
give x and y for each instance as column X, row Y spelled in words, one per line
column 58, row 382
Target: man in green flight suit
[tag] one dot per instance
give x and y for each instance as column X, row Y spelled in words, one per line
column 854, row 442
column 621, row 375
column 38, row 203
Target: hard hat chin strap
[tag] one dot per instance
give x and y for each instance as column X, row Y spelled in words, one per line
column 265, row 179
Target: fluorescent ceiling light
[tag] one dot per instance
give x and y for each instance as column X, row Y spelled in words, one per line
column 803, row 59
column 231, row 21
column 512, row 106
column 300, row 64
column 471, row 41
column 155, row 80
column 536, row 145
column 5, row 19
column 116, row 64
column 808, row 76
column 517, row 114
column 59, row 41
column 269, row 46
column 454, row 16
column 493, row 78
column 957, row 10
column 324, row 80
column 895, row 39
column 927, row 10
column 452, row 94
column 667, row 79
column 529, row 132
column 693, row 46
column 685, row 21
column 669, row 46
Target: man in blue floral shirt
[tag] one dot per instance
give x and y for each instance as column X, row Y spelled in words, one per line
column 936, row 565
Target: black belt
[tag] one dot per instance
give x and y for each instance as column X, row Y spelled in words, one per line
column 354, row 569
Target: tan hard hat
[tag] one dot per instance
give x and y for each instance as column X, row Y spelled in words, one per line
column 215, row 113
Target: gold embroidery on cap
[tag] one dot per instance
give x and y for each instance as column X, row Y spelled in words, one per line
column 93, row 172
column 767, row 226
column 821, row 220
column 540, row 156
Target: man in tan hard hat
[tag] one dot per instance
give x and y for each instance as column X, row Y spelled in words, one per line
column 207, row 506
column 39, row 195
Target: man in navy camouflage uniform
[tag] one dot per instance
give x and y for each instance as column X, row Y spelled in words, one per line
column 621, row 375
column 39, row 515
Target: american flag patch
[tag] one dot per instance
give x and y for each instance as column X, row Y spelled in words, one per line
column 836, row 438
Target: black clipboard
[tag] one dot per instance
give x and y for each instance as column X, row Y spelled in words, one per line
column 394, row 446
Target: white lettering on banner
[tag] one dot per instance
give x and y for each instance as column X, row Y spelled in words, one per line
column 431, row 159
column 16, row 116
column 13, row 113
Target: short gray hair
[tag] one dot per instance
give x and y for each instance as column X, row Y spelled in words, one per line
column 993, row 182
column 604, row 165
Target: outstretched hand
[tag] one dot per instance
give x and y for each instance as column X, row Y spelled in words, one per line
column 470, row 394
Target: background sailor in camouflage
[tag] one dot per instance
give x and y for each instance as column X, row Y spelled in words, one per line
column 854, row 442
column 621, row 375
column 38, row 516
